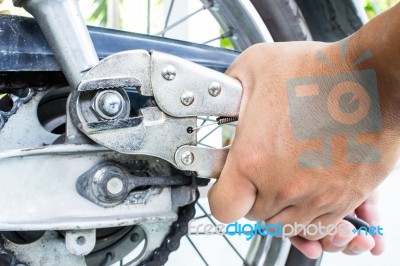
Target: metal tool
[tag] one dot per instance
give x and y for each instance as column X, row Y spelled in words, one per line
column 181, row 92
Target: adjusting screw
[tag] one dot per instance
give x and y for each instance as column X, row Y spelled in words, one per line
column 187, row 98
column 169, row 72
column 187, row 158
column 214, row 89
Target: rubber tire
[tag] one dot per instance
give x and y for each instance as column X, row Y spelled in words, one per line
column 330, row 20
column 283, row 19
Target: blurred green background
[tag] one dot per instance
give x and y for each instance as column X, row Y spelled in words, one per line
column 374, row 7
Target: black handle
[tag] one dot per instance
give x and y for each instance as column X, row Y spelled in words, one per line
column 357, row 222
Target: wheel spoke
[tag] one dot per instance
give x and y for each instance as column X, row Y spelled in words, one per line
column 200, row 217
column 148, row 16
column 197, row 250
column 227, row 240
column 171, row 5
column 206, row 119
column 224, row 35
column 208, row 134
column 205, row 145
column 173, row 25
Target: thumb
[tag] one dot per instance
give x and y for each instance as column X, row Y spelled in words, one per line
column 310, row 248
column 232, row 196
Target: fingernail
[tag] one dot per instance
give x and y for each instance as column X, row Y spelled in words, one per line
column 339, row 241
column 356, row 250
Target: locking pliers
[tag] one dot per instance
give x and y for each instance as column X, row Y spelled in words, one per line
column 181, row 91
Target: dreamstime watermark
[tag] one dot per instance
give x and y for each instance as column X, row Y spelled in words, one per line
column 279, row 230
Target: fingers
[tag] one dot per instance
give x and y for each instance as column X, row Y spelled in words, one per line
column 320, row 227
column 339, row 241
column 368, row 211
column 311, row 249
column 232, row 196
column 286, row 216
column 359, row 244
column 344, row 240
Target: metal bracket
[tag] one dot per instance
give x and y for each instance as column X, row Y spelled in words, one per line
column 80, row 242
column 109, row 184
column 52, row 173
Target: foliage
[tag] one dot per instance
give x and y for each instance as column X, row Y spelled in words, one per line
column 375, row 7
column 99, row 14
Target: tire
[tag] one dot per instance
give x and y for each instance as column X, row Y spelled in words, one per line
column 331, row 20
column 283, row 19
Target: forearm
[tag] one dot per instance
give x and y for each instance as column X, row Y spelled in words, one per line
column 381, row 36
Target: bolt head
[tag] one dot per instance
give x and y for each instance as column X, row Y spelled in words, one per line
column 115, row 185
column 169, row 72
column 214, row 89
column 187, row 158
column 187, row 98
column 109, row 184
column 109, row 104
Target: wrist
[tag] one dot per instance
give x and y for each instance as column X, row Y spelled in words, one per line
column 380, row 36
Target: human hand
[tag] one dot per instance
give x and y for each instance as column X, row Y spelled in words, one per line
column 273, row 175
column 347, row 242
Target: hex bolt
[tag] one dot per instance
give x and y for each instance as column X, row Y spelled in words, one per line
column 187, row 158
column 214, row 89
column 187, row 98
column 109, row 184
column 115, row 185
column 109, row 104
column 169, row 72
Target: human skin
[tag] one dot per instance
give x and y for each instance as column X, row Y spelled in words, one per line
column 262, row 178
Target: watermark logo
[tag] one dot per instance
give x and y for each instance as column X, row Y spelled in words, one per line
column 342, row 103
column 249, row 230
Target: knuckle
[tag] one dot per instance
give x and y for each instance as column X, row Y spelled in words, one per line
column 250, row 163
column 290, row 191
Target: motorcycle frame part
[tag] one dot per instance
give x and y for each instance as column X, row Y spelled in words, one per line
column 42, row 170
column 181, row 195
column 26, row 44
column 80, row 242
column 65, row 31
column 109, row 184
